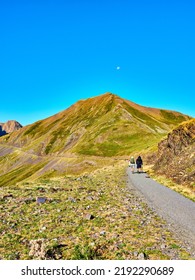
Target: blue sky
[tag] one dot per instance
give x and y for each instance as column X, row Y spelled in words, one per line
column 54, row 52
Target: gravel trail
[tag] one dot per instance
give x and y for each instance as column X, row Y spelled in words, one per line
column 178, row 211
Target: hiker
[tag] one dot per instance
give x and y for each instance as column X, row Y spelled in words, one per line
column 139, row 163
column 132, row 164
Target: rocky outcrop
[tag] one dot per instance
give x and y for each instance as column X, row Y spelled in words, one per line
column 176, row 154
column 9, row 127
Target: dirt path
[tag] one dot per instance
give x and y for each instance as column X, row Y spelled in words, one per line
column 178, row 211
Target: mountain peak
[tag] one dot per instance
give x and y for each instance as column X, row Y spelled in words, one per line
column 104, row 125
column 9, row 127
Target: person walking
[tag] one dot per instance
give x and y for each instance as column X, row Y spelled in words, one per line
column 132, row 164
column 139, row 163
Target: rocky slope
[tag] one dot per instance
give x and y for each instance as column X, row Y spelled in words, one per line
column 176, row 154
column 9, row 127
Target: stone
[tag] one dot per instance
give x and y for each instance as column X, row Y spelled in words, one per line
column 90, row 198
column 38, row 249
column 78, row 179
column 163, row 246
column 89, row 217
column 7, row 196
column 41, row 200
column 142, row 256
column 72, row 199
column 135, row 254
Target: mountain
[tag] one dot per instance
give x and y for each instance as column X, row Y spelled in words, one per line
column 102, row 126
column 176, row 154
column 9, row 127
column 106, row 125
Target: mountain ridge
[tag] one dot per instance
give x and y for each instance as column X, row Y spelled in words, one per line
column 95, row 120
column 81, row 136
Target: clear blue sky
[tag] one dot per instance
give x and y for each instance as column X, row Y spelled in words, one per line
column 54, row 52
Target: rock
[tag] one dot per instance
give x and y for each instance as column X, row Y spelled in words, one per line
column 163, row 246
column 38, row 249
column 7, row 196
column 90, row 198
column 175, row 149
column 135, row 254
column 142, row 256
column 9, row 127
column 103, row 233
column 89, row 217
column 42, row 229
column 41, row 200
column 78, row 179
column 72, row 199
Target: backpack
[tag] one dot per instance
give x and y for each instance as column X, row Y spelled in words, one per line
column 132, row 161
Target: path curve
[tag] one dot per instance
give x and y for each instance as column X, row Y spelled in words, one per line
column 177, row 210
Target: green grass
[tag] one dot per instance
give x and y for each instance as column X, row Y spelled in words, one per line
column 33, row 129
column 171, row 118
column 19, row 174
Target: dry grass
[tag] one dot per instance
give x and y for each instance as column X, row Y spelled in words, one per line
column 185, row 190
column 121, row 225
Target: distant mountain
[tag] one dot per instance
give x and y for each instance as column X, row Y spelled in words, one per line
column 9, row 127
column 106, row 125
column 176, row 154
column 102, row 126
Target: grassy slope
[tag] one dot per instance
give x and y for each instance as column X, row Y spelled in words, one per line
column 103, row 126
column 106, row 117
column 122, row 226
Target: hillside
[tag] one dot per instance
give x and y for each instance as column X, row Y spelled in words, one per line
column 176, row 156
column 102, row 126
column 105, row 126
